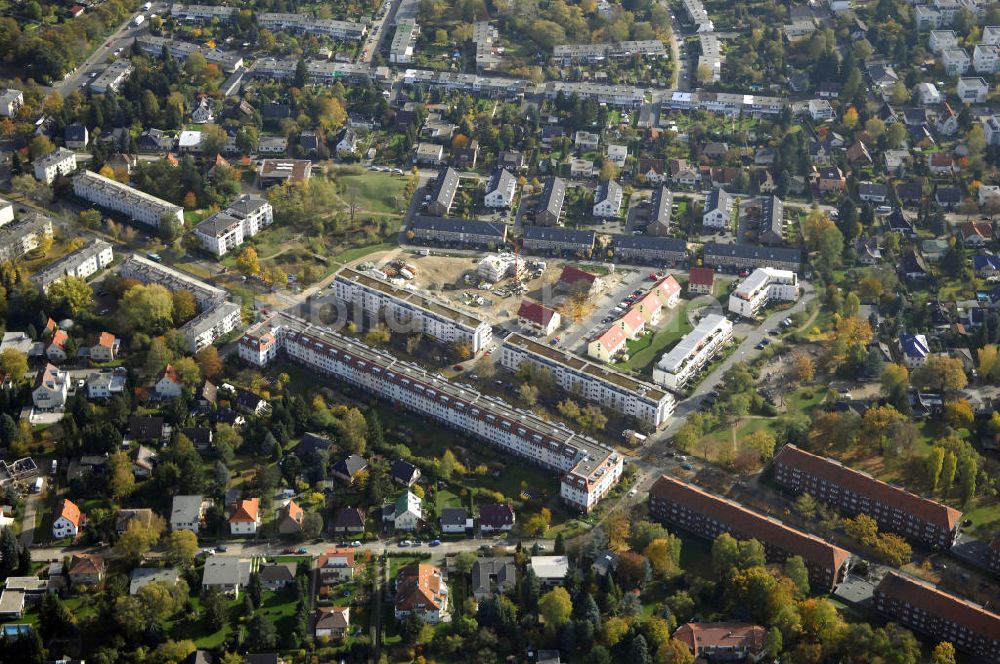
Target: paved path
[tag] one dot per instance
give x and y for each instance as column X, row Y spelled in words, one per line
column 28, row 520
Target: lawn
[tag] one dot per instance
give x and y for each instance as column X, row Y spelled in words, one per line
column 351, row 255
column 645, row 349
column 375, row 193
column 280, row 607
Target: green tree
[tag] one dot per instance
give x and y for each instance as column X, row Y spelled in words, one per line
column 795, row 569
column 139, row 537
column 934, row 464
column 353, row 429
column 147, row 308
column 121, row 481
column 71, row 295
column 862, row 528
column 943, row 653
column 448, row 464
column 948, row 468
column 181, row 547
column 556, row 607
column 13, row 364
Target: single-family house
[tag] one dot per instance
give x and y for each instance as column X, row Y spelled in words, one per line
column 244, row 517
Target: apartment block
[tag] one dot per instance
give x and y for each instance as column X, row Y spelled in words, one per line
column 718, row 210
column 764, row 285
column 227, row 229
column 154, row 47
column 500, row 190
column 136, row 205
column 706, row 515
column 211, row 324
column 11, row 101
column 956, row 61
column 589, row 470
column 737, row 257
column 24, row 235
column 304, row 23
column 986, row 58
column 82, row 263
column 402, row 309
column 149, row 272
column 200, row 13
column 457, row 232
column 692, row 352
column 942, row 616
column 404, row 41
column 608, row 200
column 112, row 78
column 60, row 162
column 972, row 90
column 621, row 96
column 538, row 239
column 485, row 37
column 895, row 510
column 568, row 54
column 594, row 382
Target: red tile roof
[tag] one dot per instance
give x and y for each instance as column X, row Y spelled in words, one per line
column 70, row 512
column 346, row 554
column 738, row 636
column 574, row 275
column 106, row 339
column 535, row 312
column 701, row 276
column 942, row 516
column 246, row 511
column 936, row 602
column 612, row 338
column 419, row 587
column 170, row 374
column 748, row 523
column 59, row 338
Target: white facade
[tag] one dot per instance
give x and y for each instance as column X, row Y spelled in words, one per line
column 226, row 230
column 986, row 58
column 956, row 61
column 408, row 519
column 599, row 384
column 718, row 210
column 63, row 527
column 500, row 192
column 137, row 205
column 972, row 90
column 186, row 513
column 609, row 200
column 11, row 102
column 928, row 94
column 403, row 309
column 81, row 263
column 51, row 387
column 343, row 30
column 60, row 162
column 212, row 324
column 693, row 351
column 762, row 286
column 519, row 433
column 941, row 40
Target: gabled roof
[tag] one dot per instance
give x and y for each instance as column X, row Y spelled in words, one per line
column 701, row 276
column 402, row 471
column 169, row 374
column 333, row 617
column 350, row 466
column 420, row 587
column 142, row 427
column 454, row 516
column 535, row 312
column 277, row 572
column 933, row 601
column 70, row 512
column 612, row 338
column 721, row 636
column 245, row 511
column 573, row 275
column 496, row 515
column 293, row 511
column 914, row 345
column 336, row 558
column 106, row 340
column 86, row 563
column 349, row 517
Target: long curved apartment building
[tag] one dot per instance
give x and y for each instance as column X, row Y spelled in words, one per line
column 692, row 352
column 589, row 469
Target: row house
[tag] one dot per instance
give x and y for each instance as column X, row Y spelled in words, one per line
column 594, row 382
column 649, row 250
column 851, row 491
column 155, row 46
column 457, row 232
column 706, row 515
column 588, row 469
column 566, row 241
column 146, row 271
column 304, row 23
column 740, row 257
column 374, row 299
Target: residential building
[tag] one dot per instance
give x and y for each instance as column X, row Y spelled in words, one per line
column 568, row 54
column 50, row 388
column 738, row 257
column 348, row 468
column 772, row 220
column 693, row 352
column 168, row 385
column 442, row 192
column 349, row 520
column 136, row 205
column 831, row 178
column 335, row 566
column 227, row 229
column 608, row 200
column 188, row 513
column 405, row 513
column 925, row 521
column 86, row 569
column 457, row 232
column 550, row 570
column 496, row 518
column 661, row 207
column 718, row 210
column 403, row 472
column 69, row 520
column 11, row 604
column 143, row 576
column 421, row 589
column 928, row 94
column 944, row 617
column 548, row 210
column 404, row 42
column 85, row 261
column 491, row 576
column 244, row 517
column 706, row 515
column 582, row 168
column 291, row 519
column 593, row 382
column 211, row 324
column 228, row 574
column 820, row 110
column 972, row 90
column 11, row 102
column 537, row 318
column 914, row 350
column 455, row 521
column 203, row 13
column 278, row 171
column 379, row 301
column 276, row 576
column 985, row 59
column 873, row 192
column 955, row 61
column 941, row 40
column 558, row 241
column 332, row 622
column 76, row 136
column 723, row 641
column 105, row 384
column 54, row 164
column 500, row 190
column 306, row 24
column 764, row 285
column 587, row 467
column 56, row 350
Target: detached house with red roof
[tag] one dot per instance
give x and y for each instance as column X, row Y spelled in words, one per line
column 942, row 163
column 975, row 233
column 86, row 569
column 56, row 350
column 244, row 519
column 335, row 566
column 168, row 385
column 723, row 640
column 701, row 280
column 534, row 317
column 421, row 589
column 291, row 518
column 573, row 279
column 69, row 522
column 106, row 348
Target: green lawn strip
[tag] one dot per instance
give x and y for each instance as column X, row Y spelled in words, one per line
column 644, row 350
column 356, row 253
column 379, row 193
column 280, row 606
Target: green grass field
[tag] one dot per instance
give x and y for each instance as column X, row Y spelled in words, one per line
column 377, row 193
column 647, row 348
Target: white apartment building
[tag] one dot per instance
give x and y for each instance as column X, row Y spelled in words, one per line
column 404, row 40
column 594, row 382
column 343, row 30
column 941, row 40
column 6, row 212
column 500, row 191
column 11, row 102
column 956, row 61
column 137, row 205
column 972, row 90
column 589, row 469
column 211, row 324
column 227, row 229
column 986, row 58
column 24, row 235
column 928, row 94
column 82, row 263
column 404, row 310
column 608, row 200
column 762, row 286
column 718, row 209
column 991, row 127
column 112, row 78
column 60, row 162
column 693, row 351
column 149, row 272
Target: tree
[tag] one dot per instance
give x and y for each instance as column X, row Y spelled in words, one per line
column 209, row 362
column 71, row 295
column 448, row 465
column 609, row 171
column 941, row 373
column 182, row 547
column 353, row 429
column 893, row 549
column 968, row 470
column 675, row 652
column 948, row 467
column 943, row 653
column 185, row 307
column 247, row 262
column 14, row 364
column 614, row 631
column 895, row 381
column 795, row 569
column 850, row 118
column 39, row 146
column 147, row 307
column 633, row 570
column 862, row 528
column 262, row 633
column 664, row 556
column 556, row 607
column 528, row 394
column 213, row 140
column 638, row 651
column 121, row 481
column 958, row 414
column 934, row 463
column 213, row 604
column 805, row 368
column 762, row 442
column 54, row 618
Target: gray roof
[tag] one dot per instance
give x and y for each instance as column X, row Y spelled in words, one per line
column 454, row 516
column 772, row 212
column 142, row 576
column 718, row 199
column 350, row 466
column 246, row 205
column 463, row 226
column 661, row 207
column 227, row 571
column 275, row 572
column 495, row 570
column 649, row 243
column 445, row 187
column 752, row 252
column 217, row 224
column 608, row 190
column 566, row 235
column 553, row 196
column 186, row 509
column 501, row 179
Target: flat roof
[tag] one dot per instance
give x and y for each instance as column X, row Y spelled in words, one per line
column 435, row 307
